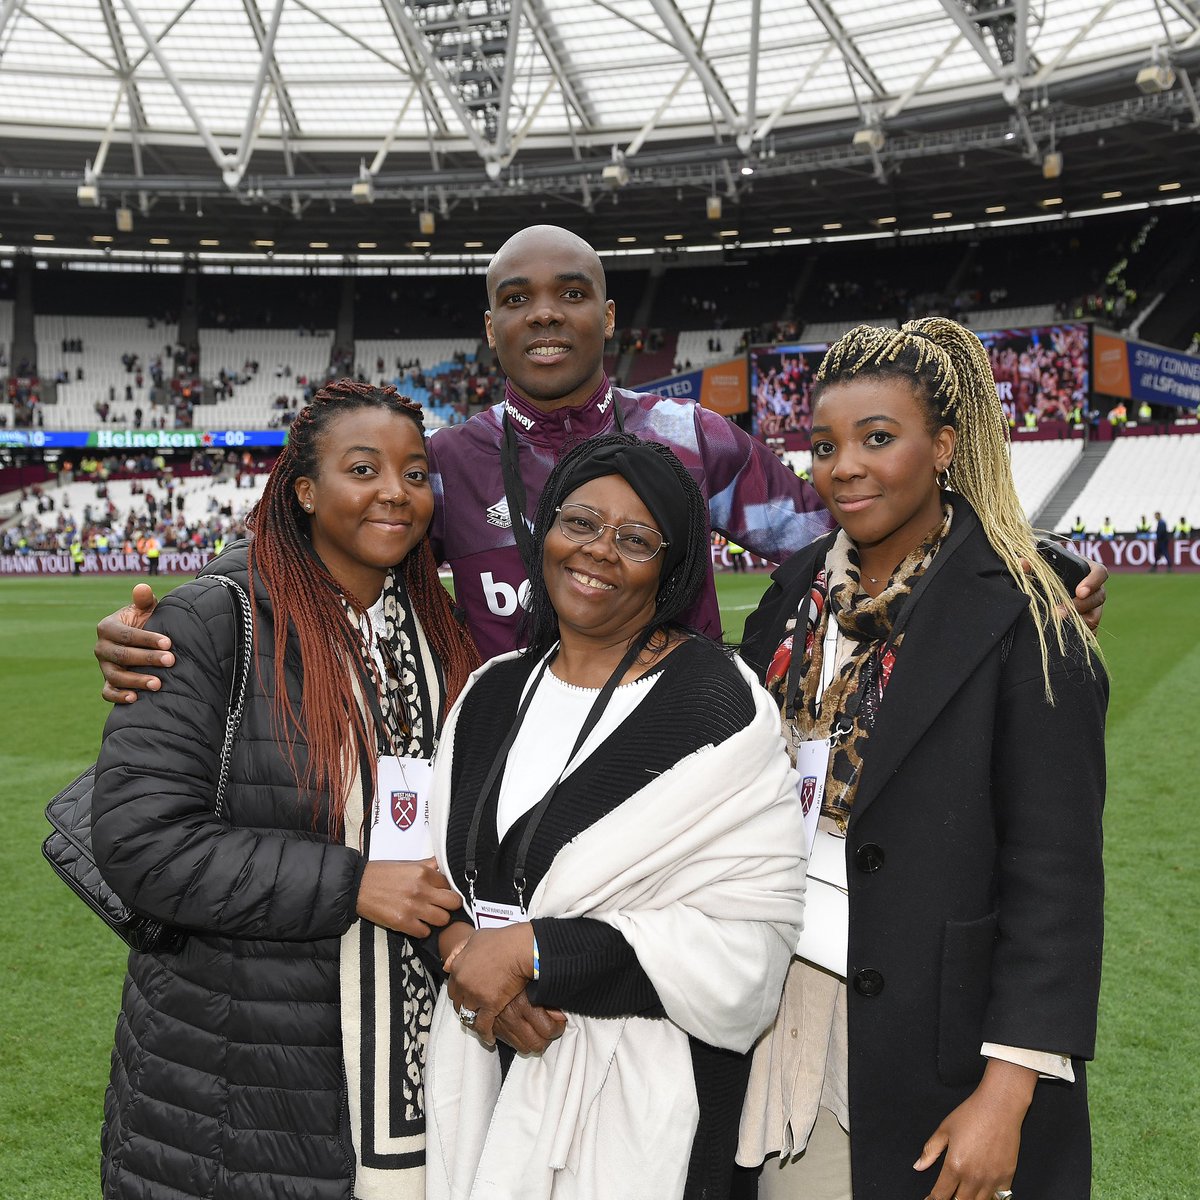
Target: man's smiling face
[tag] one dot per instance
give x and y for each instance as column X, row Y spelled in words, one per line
column 549, row 317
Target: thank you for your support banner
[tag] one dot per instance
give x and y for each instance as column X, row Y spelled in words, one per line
column 1139, row 371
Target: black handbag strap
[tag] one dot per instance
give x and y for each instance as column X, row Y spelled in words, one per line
column 240, row 684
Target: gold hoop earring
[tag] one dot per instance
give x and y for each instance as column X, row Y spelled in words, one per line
column 942, row 478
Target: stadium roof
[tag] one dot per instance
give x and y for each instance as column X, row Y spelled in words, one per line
column 267, row 114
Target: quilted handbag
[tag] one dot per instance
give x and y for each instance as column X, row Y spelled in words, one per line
column 68, row 849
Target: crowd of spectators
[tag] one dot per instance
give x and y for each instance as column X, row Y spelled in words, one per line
column 45, row 520
column 1044, row 373
column 783, row 385
column 28, row 411
column 466, row 388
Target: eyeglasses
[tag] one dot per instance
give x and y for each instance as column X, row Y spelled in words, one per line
column 638, row 543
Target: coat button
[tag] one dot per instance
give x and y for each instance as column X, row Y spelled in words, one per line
column 868, row 982
column 869, row 857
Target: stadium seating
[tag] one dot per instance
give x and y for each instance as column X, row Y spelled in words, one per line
column 105, row 340
column 1040, row 467
column 816, row 332
column 283, row 357
column 203, row 498
column 1138, row 476
column 435, row 355
column 6, row 326
column 692, row 346
column 1011, row 318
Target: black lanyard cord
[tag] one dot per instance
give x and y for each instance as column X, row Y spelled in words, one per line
column 471, row 873
column 514, row 490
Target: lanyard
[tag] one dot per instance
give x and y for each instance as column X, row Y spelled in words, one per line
column 514, row 485
column 498, row 763
column 957, row 534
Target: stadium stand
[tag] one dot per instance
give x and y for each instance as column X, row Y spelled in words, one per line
column 95, row 373
column 697, row 346
column 829, row 331
column 1040, row 467
column 427, row 370
column 1012, row 318
column 1138, row 476
column 6, row 323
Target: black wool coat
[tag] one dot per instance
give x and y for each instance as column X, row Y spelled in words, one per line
column 974, row 867
column 227, row 1078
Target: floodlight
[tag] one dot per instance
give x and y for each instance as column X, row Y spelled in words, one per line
column 88, row 195
column 362, row 190
column 615, row 175
column 870, row 137
column 1157, row 77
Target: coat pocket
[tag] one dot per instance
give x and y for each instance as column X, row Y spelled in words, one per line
column 965, row 988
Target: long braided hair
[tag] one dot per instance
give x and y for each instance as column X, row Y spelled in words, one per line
column 948, row 367
column 676, row 593
column 281, row 555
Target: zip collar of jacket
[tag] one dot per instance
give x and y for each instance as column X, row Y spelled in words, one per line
column 553, row 430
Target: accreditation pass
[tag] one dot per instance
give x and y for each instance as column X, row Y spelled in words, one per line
column 400, row 820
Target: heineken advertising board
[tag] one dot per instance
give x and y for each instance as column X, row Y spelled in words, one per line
column 140, row 439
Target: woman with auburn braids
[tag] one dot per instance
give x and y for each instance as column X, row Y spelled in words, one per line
column 250, row 1064
column 945, row 704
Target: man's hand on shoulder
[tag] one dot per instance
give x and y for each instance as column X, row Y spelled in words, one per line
column 1090, row 596
column 123, row 645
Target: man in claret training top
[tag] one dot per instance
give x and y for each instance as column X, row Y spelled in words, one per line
column 548, row 319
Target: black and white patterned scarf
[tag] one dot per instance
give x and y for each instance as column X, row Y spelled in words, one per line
column 387, row 994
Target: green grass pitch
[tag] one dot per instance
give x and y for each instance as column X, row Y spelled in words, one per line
column 62, row 971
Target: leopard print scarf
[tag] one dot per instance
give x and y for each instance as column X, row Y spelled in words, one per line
column 865, row 623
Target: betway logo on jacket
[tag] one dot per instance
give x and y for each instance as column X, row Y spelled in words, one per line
column 503, row 599
column 517, row 415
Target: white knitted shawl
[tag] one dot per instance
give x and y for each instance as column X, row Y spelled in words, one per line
column 702, row 871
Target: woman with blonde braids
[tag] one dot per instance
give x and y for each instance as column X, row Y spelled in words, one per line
column 946, row 704
column 250, row 1064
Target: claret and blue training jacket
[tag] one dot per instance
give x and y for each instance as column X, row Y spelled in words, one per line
column 753, row 498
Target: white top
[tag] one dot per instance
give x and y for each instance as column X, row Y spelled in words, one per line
column 556, row 715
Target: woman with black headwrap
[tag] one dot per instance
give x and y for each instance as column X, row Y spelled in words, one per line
column 616, row 807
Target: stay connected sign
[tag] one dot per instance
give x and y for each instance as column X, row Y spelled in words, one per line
column 1139, row 371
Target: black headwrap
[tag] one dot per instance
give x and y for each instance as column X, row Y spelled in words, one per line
column 651, row 477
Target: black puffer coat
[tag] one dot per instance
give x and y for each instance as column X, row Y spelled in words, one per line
column 227, row 1077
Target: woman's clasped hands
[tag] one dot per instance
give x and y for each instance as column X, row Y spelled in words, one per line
column 487, row 972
